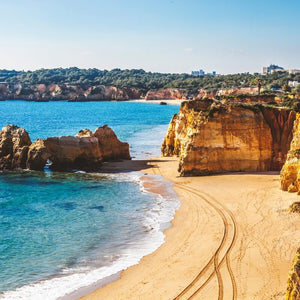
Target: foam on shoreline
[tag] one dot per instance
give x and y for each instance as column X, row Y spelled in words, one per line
column 78, row 281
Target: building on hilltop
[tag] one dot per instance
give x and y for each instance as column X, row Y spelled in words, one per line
column 271, row 69
column 274, row 68
column 202, row 73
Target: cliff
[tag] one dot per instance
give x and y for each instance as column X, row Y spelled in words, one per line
column 85, row 151
column 81, row 92
column 293, row 283
column 165, row 94
column 289, row 175
column 214, row 137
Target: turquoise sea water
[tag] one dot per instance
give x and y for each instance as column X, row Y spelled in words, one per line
column 63, row 231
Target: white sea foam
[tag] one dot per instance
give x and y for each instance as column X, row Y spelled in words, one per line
column 75, row 282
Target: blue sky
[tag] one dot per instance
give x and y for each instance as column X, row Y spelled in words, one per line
column 156, row 35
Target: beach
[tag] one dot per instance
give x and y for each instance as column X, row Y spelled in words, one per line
column 231, row 238
column 167, row 101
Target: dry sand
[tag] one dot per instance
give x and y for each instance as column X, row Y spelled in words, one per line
column 232, row 238
column 168, row 101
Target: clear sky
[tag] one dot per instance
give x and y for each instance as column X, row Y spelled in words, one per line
column 228, row 36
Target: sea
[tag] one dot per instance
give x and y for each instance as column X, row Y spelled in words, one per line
column 64, row 234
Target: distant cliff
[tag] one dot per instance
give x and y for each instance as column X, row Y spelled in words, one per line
column 82, row 92
column 164, row 94
column 40, row 92
column 213, row 137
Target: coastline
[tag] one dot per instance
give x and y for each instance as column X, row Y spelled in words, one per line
column 242, row 222
column 168, row 101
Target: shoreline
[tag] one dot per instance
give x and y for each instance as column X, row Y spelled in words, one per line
column 260, row 240
column 167, row 101
column 75, row 284
column 149, row 184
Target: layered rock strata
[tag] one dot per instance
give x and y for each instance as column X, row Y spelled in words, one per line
column 211, row 137
column 85, row 151
column 293, row 283
column 14, row 146
column 165, row 94
column 290, row 173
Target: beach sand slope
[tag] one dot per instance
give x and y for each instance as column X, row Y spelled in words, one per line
column 232, row 238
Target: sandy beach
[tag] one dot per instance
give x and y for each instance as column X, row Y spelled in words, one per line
column 168, row 101
column 232, row 238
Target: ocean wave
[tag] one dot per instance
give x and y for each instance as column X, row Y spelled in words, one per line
column 74, row 282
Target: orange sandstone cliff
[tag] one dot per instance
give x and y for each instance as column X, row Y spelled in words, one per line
column 165, row 94
column 212, row 137
column 293, row 283
column 289, row 175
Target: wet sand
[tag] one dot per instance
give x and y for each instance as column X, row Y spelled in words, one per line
column 232, row 238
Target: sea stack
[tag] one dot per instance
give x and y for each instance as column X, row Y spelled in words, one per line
column 85, row 151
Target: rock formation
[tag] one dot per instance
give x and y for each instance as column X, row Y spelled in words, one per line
column 289, row 175
column 65, row 153
column 85, row 151
column 14, row 145
column 293, row 284
column 164, row 94
column 211, row 137
column 111, row 147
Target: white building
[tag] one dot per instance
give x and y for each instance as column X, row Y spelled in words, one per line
column 293, row 84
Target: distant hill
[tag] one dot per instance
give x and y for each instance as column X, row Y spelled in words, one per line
column 143, row 81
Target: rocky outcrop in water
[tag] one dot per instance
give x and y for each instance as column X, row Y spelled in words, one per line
column 212, row 137
column 14, row 146
column 85, row 151
column 65, row 153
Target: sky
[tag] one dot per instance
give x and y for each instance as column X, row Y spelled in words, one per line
column 167, row 36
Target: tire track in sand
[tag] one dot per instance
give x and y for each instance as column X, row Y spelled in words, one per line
column 214, row 261
column 228, row 220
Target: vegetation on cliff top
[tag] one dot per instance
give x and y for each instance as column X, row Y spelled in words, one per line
column 143, row 80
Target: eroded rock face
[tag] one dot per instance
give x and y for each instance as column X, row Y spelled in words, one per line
column 164, row 94
column 85, row 151
column 14, row 145
column 289, row 175
column 210, row 137
column 111, row 147
column 293, row 283
column 65, row 153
